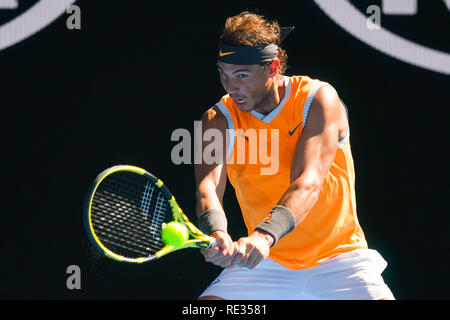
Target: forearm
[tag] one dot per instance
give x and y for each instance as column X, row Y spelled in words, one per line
column 207, row 198
column 210, row 213
column 300, row 197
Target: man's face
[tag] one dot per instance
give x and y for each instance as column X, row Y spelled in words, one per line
column 247, row 85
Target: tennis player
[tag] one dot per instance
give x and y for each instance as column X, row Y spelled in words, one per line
column 304, row 240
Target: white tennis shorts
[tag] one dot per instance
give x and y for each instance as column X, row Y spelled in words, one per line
column 353, row 275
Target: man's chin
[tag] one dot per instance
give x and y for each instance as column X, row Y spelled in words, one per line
column 245, row 107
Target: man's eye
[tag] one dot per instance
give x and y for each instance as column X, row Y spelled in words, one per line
column 240, row 76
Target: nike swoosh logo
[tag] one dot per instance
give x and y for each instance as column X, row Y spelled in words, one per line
column 293, row 131
column 225, row 53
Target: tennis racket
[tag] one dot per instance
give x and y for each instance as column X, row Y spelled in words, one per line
column 125, row 209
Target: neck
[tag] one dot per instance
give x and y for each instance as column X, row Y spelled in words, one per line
column 273, row 97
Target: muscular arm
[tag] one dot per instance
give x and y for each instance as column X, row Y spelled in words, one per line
column 211, row 182
column 210, row 178
column 315, row 153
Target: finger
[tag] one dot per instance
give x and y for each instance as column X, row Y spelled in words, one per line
column 224, row 258
column 231, row 254
column 222, row 261
column 227, row 253
column 236, row 249
column 224, row 243
column 209, row 254
column 221, row 238
column 243, row 255
column 242, row 250
column 253, row 260
column 226, row 248
column 235, row 255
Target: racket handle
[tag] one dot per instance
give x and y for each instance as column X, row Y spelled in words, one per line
column 212, row 242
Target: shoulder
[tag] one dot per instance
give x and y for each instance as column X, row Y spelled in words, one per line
column 326, row 106
column 305, row 87
column 318, row 95
column 214, row 118
column 327, row 95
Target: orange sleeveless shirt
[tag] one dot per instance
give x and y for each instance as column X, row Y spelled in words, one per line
column 259, row 155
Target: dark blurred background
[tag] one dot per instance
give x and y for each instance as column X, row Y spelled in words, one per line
column 75, row 102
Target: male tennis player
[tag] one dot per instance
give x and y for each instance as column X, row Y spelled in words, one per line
column 304, row 240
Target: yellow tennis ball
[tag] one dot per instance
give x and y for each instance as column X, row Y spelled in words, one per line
column 174, row 234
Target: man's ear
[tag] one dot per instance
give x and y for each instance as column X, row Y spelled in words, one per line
column 274, row 67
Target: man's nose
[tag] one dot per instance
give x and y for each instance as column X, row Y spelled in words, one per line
column 230, row 86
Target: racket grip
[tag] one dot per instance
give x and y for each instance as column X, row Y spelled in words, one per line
column 212, row 242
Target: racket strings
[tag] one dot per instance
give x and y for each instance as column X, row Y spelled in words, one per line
column 121, row 228
column 159, row 215
column 127, row 213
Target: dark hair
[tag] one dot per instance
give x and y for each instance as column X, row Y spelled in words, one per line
column 250, row 29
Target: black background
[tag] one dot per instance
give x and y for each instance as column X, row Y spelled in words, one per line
column 75, row 102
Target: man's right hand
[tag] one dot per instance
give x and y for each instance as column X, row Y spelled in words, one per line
column 223, row 253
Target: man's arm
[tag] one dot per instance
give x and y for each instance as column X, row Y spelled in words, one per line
column 210, row 178
column 315, row 153
column 211, row 182
column 312, row 160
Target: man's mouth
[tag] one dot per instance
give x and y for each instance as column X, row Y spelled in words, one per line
column 239, row 100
